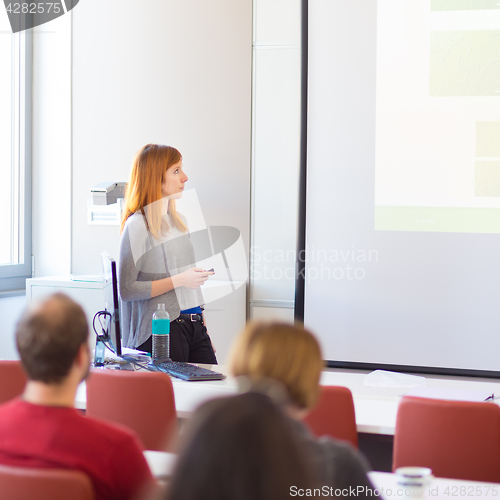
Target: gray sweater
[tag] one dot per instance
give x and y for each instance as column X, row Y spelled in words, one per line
column 337, row 463
column 144, row 259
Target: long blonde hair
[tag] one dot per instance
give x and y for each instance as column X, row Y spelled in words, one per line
column 144, row 188
column 287, row 353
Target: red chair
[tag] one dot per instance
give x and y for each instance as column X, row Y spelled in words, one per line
column 12, row 380
column 456, row 439
column 142, row 401
column 334, row 415
column 18, row 483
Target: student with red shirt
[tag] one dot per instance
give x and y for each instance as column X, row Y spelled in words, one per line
column 43, row 429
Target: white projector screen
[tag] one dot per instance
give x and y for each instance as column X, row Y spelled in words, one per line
column 402, row 242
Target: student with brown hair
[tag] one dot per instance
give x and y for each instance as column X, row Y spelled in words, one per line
column 240, row 448
column 291, row 355
column 156, row 264
column 43, row 429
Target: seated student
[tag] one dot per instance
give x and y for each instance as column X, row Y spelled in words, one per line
column 240, row 448
column 292, row 356
column 43, row 429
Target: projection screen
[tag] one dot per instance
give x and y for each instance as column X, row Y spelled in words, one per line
column 402, row 238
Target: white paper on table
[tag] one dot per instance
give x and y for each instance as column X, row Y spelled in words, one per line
column 382, row 378
column 125, row 350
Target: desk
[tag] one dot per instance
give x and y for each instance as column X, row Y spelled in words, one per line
column 162, row 464
column 439, row 488
column 376, row 407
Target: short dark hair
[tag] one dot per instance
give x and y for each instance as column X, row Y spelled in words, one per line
column 48, row 337
column 240, row 448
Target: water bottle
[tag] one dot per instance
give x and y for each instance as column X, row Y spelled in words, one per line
column 99, row 353
column 161, row 333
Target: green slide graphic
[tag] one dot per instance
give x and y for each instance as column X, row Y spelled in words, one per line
column 487, row 178
column 488, row 139
column 464, row 4
column 437, row 219
column 465, row 63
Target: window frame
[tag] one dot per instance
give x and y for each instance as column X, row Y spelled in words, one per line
column 13, row 276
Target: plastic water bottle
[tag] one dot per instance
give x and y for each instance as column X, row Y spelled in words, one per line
column 161, row 333
column 99, row 353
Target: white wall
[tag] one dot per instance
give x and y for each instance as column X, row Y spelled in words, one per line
column 10, row 310
column 51, row 152
column 174, row 72
column 275, row 157
column 177, row 72
column 110, row 78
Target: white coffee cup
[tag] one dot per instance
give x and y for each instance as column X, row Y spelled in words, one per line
column 413, row 480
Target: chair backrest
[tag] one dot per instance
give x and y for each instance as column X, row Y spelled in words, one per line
column 142, row 401
column 17, row 483
column 12, row 380
column 334, row 415
column 456, row 439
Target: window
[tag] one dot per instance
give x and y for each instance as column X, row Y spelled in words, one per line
column 15, row 160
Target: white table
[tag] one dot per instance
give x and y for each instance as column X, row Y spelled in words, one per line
column 162, row 464
column 439, row 488
column 376, row 407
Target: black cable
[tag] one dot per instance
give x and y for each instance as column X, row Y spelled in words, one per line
column 141, row 366
column 104, row 338
column 98, row 314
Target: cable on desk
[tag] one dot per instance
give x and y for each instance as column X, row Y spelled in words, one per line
column 104, row 338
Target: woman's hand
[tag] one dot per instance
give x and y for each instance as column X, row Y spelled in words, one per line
column 192, row 278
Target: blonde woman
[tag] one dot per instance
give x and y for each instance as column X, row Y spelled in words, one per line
column 156, row 264
column 291, row 356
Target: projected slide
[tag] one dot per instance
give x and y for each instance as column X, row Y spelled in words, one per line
column 438, row 116
column 437, row 5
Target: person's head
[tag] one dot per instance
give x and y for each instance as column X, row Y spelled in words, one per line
column 51, row 337
column 239, row 448
column 283, row 352
column 156, row 174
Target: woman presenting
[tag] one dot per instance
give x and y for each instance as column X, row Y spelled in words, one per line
column 156, row 264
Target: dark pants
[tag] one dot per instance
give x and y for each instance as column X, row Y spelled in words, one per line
column 189, row 341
